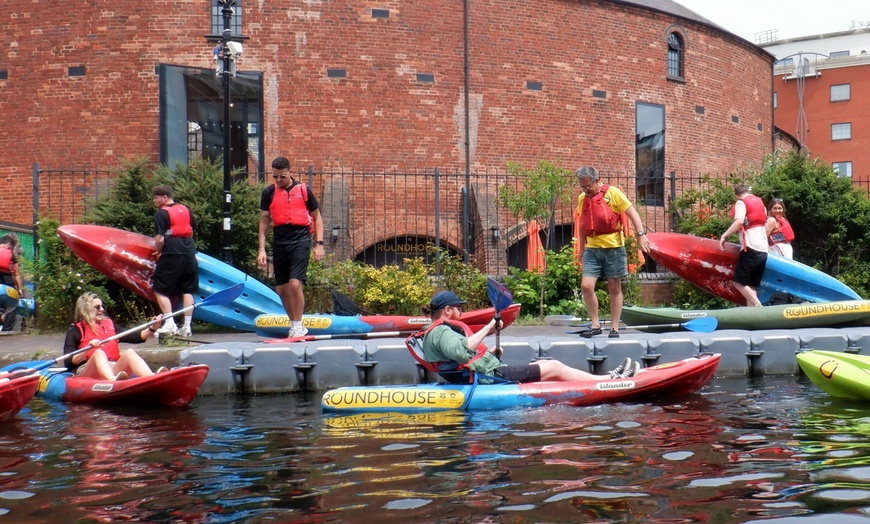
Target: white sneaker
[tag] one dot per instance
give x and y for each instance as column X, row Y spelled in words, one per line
column 298, row 331
column 184, row 331
column 168, row 328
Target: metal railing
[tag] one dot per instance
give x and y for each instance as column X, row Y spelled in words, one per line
column 383, row 217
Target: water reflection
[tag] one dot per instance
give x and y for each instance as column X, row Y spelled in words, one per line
column 743, row 450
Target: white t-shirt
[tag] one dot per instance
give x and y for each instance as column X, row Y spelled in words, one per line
column 755, row 237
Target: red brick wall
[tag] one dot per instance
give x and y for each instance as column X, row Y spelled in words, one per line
column 821, row 113
column 379, row 115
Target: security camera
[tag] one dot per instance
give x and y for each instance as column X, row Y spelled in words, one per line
column 235, row 49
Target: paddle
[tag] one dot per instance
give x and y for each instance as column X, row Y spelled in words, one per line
column 501, row 299
column 700, row 325
column 309, row 338
column 569, row 320
column 221, row 297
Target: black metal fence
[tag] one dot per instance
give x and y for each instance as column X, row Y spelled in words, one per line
column 383, row 217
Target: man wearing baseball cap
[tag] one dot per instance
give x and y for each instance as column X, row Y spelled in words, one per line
column 450, row 345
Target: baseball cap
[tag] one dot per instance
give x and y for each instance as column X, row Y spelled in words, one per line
column 442, row 299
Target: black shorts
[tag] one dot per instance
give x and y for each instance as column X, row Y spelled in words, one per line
column 176, row 275
column 291, row 262
column 750, row 267
column 522, row 373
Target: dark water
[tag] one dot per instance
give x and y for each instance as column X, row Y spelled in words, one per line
column 742, row 451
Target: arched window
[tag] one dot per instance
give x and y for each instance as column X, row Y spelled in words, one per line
column 675, row 56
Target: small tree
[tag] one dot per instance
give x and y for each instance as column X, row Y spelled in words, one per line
column 534, row 196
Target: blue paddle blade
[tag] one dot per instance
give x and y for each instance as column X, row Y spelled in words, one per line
column 499, row 296
column 702, row 325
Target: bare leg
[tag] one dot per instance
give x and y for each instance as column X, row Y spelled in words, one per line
column 748, row 293
column 614, row 288
column 164, row 303
column 187, row 301
column 133, row 364
column 587, row 286
column 98, row 366
column 555, row 370
column 292, row 298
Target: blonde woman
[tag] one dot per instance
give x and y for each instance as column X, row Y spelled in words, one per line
column 105, row 360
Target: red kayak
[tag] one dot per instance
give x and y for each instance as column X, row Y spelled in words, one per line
column 16, row 390
column 176, row 387
column 705, row 264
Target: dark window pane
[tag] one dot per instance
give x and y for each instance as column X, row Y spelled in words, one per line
column 675, row 56
column 192, row 119
column 650, row 154
column 217, row 17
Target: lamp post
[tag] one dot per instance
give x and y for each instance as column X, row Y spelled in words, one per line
column 228, row 50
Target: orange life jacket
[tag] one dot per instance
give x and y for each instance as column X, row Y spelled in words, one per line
column 783, row 232
column 104, row 329
column 596, row 217
column 289, row 206
column 179, row 221
column 756, row 215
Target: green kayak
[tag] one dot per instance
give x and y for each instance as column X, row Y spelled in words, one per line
column 843, row 375
column 785, row 316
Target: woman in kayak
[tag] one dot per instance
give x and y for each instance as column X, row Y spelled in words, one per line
column 104, row 361
column 449, row 344
column 779, row 231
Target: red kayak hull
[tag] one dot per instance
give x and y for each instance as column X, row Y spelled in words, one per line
column 16, row 392
column 705, row 264
column 176, row 387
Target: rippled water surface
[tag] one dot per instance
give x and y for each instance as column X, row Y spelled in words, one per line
column 777, row 450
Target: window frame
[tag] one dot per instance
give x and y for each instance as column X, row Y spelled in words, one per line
column 848, row 93
column 836, row 167
column 841, row 126
column 676, row 56
column 217, row 18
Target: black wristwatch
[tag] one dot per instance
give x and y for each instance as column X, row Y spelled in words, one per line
column 642, row 233
column 319, row 242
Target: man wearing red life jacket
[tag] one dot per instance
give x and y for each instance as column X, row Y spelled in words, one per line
column 177, row 272
column 603, row 245
column 750, row 218
column 779, row 230
column 449, row 345
column 291, row 209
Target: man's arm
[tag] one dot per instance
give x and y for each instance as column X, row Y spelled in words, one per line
column 265, row 220
column 634, row 216
column 318, row 234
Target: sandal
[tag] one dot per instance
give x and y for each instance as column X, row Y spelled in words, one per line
column 613, row 334
column 591, row 332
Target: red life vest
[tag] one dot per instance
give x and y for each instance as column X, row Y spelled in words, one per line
column 5, row 259
column 438, row 367
column 597, row 217
column 756, row 214
column 179, row 221
column 104, row 329
column 783, row 232
column 289, row 207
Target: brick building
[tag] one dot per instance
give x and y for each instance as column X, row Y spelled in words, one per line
column 639, row 88
column 821, row 88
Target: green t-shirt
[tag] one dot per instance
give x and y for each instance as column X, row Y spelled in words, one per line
column 443, row 344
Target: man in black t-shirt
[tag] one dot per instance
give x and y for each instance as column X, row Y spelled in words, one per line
column 294, row 214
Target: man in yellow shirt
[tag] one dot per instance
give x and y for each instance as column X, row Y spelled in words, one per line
column 602, row 243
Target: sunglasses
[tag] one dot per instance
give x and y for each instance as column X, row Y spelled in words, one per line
column 98, row 307
column 280, row 176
